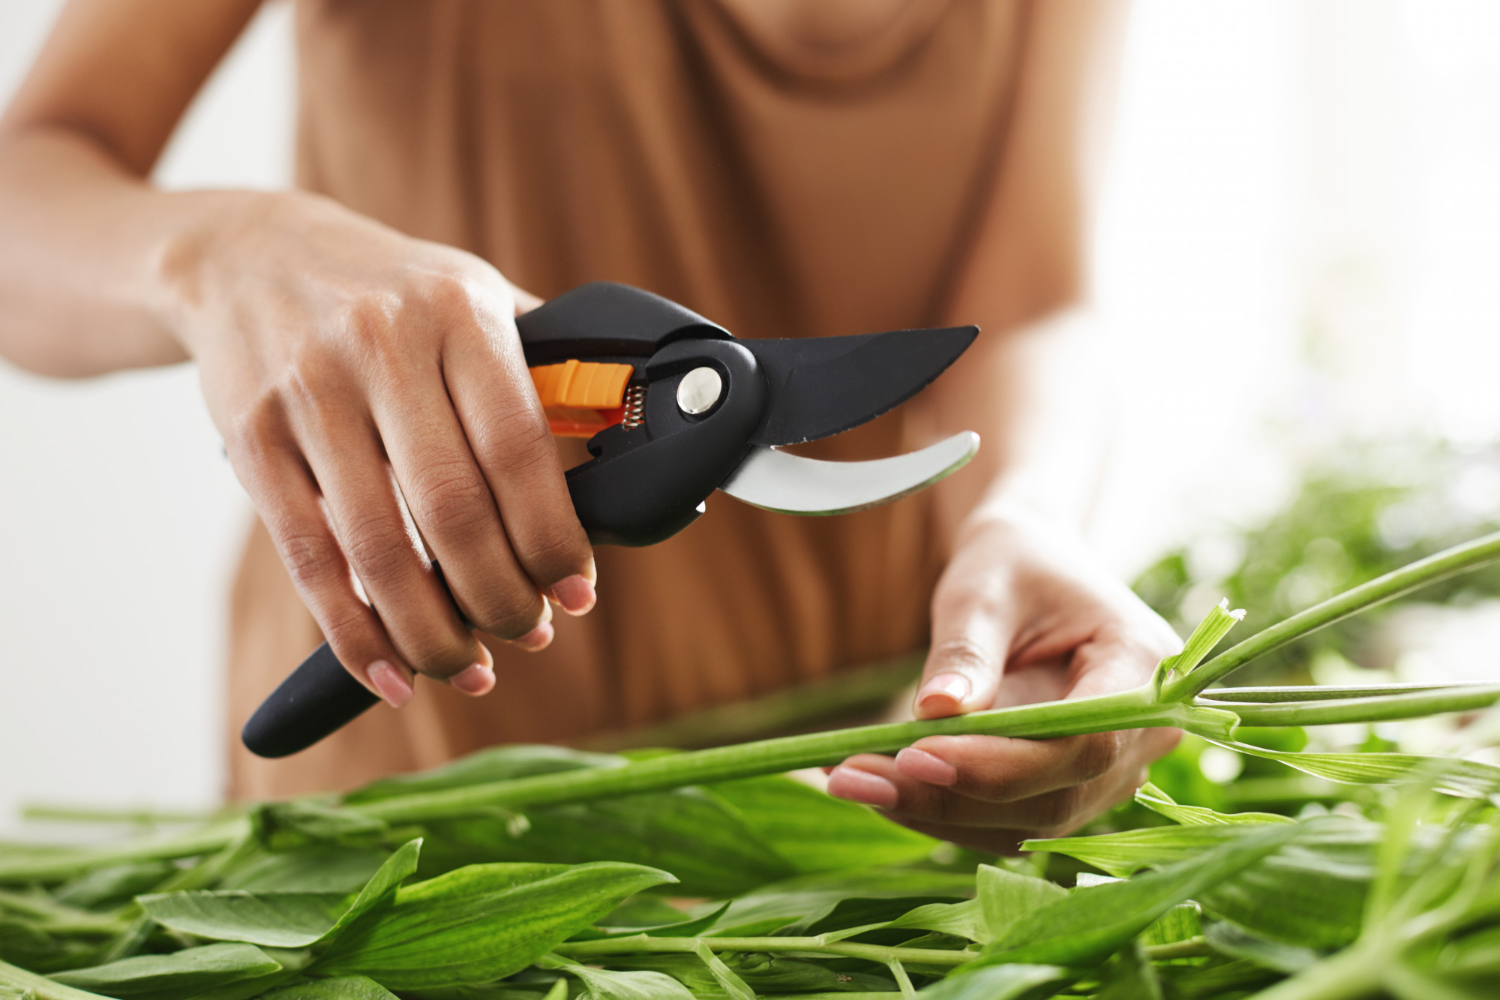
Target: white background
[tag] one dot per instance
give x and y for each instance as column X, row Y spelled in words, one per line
column 1301, row 239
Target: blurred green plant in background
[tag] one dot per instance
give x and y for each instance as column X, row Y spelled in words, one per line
column 1363, row 510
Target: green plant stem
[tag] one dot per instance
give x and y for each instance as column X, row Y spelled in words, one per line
column 1134, row 709
column 137, row 817
column 642, row 944
column 1193, row 947
column 1458, row 559
column 1316, row 692
column 44, row 988
column 1382, row 708
column 66, row 863
column 57, row 917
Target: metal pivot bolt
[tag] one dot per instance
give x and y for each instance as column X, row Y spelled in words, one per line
column 699, row 390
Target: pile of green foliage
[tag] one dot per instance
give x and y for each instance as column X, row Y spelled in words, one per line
column 764, row 887
column 538, row 873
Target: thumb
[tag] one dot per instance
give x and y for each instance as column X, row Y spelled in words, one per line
column 971, row 635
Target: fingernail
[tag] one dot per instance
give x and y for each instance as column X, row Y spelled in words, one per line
column 944, row 694
column 926, row 767
column 861, row 786
column 390, row 682
column 575, row 595
column 537, row 639
column 474, row 680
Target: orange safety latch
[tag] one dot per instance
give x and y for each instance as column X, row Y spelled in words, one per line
column 582, row 398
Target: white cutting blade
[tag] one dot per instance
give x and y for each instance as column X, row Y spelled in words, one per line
column 791, row 484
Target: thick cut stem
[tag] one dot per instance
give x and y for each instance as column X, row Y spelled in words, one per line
column 1458, row 559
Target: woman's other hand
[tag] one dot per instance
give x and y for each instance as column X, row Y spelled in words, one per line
column 1023, row 613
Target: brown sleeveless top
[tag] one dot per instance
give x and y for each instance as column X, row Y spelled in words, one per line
column 784, row 167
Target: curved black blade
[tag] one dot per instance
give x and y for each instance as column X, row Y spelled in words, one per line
column 825, row 385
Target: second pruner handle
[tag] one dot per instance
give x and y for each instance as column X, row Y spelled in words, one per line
column 314, row 701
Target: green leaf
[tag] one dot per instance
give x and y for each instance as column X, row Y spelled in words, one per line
column 609, row 984
column 1310, row 891
column 1455, row 776
column 1232, row 978
column 1214, row 627
column 11, row 993
column 691, row 833
column 1130, row 976
column 964, row 920
column 113, row 885
column 728, row 981
column 1229, row 938
column 279, row 919
column 185, row 973
column 853, row 897
column 1122, row 854
column 494, row 764
column 1004, row 898
column 1160, row 802
column 33, row 948
column 1180, row 923
column 697, row 836
column 337, row 988
column 481, row 923
column 309, row 869
column 677, row 928
column 997, row 982
column 288, row 825
column 817, row 832
column 1091, row 924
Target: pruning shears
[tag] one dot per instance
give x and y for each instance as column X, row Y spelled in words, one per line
column 675, row 407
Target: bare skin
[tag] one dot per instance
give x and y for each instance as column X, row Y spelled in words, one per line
column 357, row 374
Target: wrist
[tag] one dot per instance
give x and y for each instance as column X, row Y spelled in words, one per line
column 204, row 255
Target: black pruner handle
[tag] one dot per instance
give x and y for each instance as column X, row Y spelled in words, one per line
column 315, row 700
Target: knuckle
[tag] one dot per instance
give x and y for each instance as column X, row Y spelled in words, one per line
column 1058, row 811
column 518, row 440
column 552, row 550
column 508, row 610
column 379, row 548
column 437, row 655
column 958, row 653
column 451, row 499
column 310, row 557
column 254, row 435
column 1098, row 754
column 448, row 294
column 346, row 631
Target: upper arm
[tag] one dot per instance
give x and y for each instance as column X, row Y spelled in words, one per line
column 121, row 72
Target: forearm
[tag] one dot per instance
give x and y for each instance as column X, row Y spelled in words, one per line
column 85, row 243
column 86, row 256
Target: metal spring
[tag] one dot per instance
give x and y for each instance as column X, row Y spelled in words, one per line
column 635, row 407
